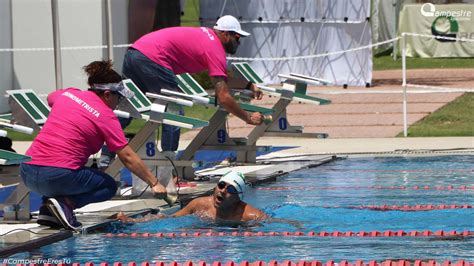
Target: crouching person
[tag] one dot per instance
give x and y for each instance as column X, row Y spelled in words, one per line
column 78, row 125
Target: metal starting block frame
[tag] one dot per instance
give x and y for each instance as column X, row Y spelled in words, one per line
column 17, row 204
column 293, row 90
column 215, row 136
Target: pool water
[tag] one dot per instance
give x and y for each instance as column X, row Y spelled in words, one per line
column 331, row 197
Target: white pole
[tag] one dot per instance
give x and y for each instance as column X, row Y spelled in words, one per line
column 395, row 25
column 404, row 84
column 56, row 44
column 108, row 29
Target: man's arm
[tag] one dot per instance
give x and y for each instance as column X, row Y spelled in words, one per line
column 253, row 214
column 228, row 102
column 135, row 164
column 239, row 83
column 189, row 209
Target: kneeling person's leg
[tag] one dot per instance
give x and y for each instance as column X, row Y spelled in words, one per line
column 92, row 186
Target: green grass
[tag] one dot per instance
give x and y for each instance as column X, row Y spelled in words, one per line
column 15, row 136
column 453, row 119
column 385, row 61
column 191, row 13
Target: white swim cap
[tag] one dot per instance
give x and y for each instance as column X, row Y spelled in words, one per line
column 237, row 180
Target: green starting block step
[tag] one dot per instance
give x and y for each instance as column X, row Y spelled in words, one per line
column 247, row 107
column 248, row 72
column 189, row 85
column 307, row 99
column 192, row 122
column 29, row 101
column 179, row 120
column 10, row 158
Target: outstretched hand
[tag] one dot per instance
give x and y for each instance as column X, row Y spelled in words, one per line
column 255, row 118
column 159, row 191
column 257, row 92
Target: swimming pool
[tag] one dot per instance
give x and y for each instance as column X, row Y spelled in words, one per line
column 349, row 195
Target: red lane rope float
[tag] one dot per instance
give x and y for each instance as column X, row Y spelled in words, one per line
column 449, row 187
column 428, row 207
column 387, row 233
column 462, row 170
column 276, row 263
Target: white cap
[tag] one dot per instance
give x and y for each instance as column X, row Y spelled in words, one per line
column 229, row 23
column 237, row 180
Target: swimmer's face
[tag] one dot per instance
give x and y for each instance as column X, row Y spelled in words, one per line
column 225, row 195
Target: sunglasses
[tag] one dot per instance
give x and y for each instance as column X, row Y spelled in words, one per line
column 235, row 35
column 230, row 189
column 119, row 95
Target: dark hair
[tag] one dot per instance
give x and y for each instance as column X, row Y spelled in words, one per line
column 101, row 72
column 6, row 144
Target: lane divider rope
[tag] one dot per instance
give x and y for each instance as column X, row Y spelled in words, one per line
column 448, row 187
column 428, row 207
column 273, row 263
column 460, row 170
column 387, row 233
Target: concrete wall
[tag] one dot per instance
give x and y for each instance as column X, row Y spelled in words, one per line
column 81, row 23
column 6, row 71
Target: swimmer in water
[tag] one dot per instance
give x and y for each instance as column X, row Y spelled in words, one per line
column 224, row 205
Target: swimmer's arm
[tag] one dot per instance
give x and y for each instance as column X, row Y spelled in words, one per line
column 297, row 224
column 254, row 214
column 125, row 219
column 257, row 215
column 188, row 209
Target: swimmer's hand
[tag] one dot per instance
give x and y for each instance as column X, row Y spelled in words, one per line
column 125, row 219
column 121, row 216
column 296, row 224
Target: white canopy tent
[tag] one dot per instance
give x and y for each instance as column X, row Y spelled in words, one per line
column 284, row 29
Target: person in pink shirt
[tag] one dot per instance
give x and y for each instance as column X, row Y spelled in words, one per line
column 153, row 61
column 78, row 125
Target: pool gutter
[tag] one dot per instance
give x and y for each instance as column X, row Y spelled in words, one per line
column 35, row 243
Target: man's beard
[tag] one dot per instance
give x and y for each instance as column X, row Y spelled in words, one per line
column 231, row 47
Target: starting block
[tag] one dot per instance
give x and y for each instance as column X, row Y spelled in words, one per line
column 293, row 90
column 27, row 108
column 144, row 142
column 215, row 136
column 17, row 204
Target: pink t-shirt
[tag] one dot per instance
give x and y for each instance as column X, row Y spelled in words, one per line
column 185, row 50
column 77, row 126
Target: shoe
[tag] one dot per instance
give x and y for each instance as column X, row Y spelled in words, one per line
column 46, row 218
column 64, row 214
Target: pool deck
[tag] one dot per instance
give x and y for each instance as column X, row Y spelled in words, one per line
column 300, row 153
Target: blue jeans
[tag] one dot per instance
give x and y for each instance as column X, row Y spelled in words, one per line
column 151, row 77
column 82, row 186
